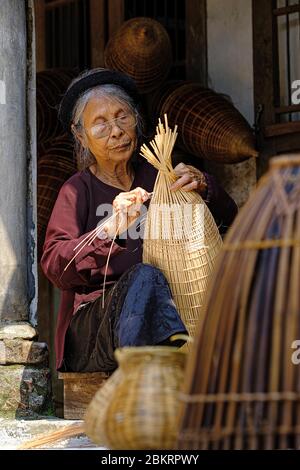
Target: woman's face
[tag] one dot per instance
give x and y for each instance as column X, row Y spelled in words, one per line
column 119, row 140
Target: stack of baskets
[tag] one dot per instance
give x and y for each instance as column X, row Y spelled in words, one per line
column 56, row 161
column 50, row 87
column 210, row 126
column 54, row 167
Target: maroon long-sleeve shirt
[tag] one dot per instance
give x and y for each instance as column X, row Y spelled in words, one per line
column 77, row 212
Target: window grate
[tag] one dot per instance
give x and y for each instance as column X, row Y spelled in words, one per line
column 286, row 18
column 171, row 14
column 67, row 33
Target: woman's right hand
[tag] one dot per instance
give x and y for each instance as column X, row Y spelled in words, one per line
column 126, row 208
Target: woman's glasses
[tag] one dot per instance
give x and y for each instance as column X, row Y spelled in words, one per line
column 104, row 129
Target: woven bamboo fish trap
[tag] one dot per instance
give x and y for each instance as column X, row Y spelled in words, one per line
column 209, row 125
column 95, row 415
column 53, row 169
column 180, row 237
column 141, row 48
column 137, row 408
column 242, row 387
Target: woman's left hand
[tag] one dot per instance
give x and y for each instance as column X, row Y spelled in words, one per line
column 189, row 179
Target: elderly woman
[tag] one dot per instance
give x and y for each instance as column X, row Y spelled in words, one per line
column 101, row 108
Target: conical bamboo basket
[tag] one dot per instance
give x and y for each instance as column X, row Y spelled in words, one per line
column 243, row 384
column 209, row 125
column 141, row 48
column 180, row 237
column 159, row 96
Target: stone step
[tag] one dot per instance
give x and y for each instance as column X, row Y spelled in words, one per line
column 24, row 391
column 14, row 432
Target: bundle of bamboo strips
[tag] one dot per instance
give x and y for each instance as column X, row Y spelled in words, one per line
column 180, row 237
column 242, row 387
column 58, row 435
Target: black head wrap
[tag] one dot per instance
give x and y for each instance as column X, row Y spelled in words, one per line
column 88, row 80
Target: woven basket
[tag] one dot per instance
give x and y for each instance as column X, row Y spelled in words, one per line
column 140, row 409
column 209, row 125
column 242, row 388
column 53, row 169
column 157, row 99
column 181, row 237
column 95, row 416
column 50, row 87
column 141, row 48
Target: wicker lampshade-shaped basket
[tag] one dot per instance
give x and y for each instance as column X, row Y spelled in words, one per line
column 141, row 48
column 209, row 125
column 180, row 237
column 243, row 383
column 53, row 169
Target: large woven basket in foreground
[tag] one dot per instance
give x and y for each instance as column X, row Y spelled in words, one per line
column 137, row 408
column 243, row 382
column 181, row 237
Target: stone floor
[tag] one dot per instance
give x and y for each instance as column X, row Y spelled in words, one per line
column 14, row 432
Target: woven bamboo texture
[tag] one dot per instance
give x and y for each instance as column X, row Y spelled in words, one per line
column 53, row 169
column 141, row 48
column 159, row 96
column 142, row 410
column 50, row 87
column 209, row 125
column 242, row 387
column 95, row 416
column 180, row 237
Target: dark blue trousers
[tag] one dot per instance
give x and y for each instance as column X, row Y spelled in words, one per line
column 139, row 311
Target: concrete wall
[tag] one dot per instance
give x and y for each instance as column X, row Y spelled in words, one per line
column 32, row 268
column 13, row 162
column 230, row 71
column 24, row 384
